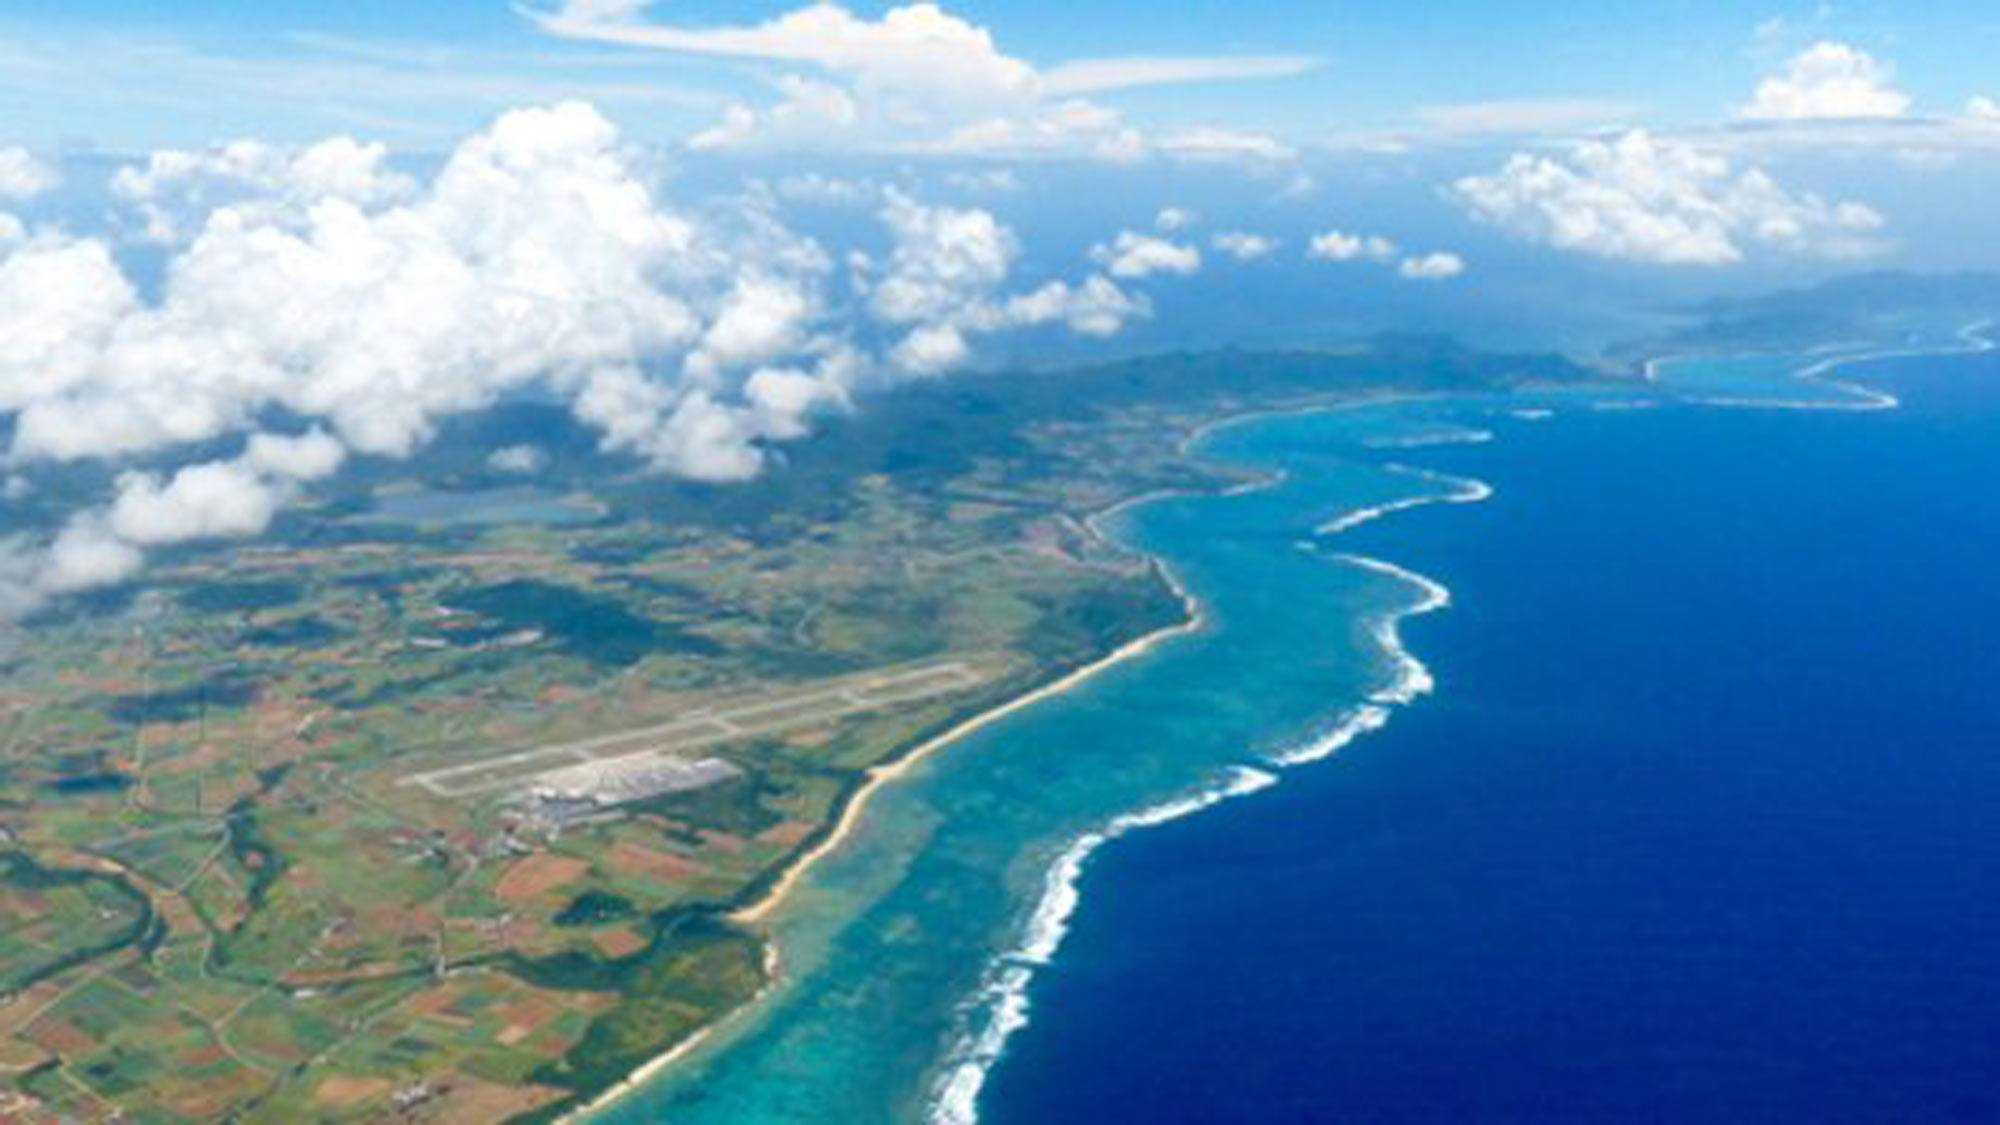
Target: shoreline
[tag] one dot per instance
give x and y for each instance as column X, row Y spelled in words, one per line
column 775, row 895
column 1002, row 997
column 961, row 1075
column 1194, row 611
column 962, row 1078
column 1000, row 1001
column 1464, row 490
column 962, row 1072
column 654, row 1067
column 1971, row 340
column 1429, row 595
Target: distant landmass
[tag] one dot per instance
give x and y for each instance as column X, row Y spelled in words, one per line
column 1863, row 307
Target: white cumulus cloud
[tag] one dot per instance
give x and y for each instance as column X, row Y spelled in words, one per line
column 222, row 498
column 176, row 186
column 84, row 556
column 944, row 279
column 1438, row 266
column 1095, row 307
column 535, row 252
column 319, row 287
column 1244, row 246
column 941, row 256
column 23, row 175
column 1828, row 80
column 228, row 498
column 1340, row 246
column 1647, row 199
column 916, row 78
column 1134, row 255
column 521, row 460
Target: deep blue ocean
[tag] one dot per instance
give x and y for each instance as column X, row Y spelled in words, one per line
column 1701, row 825
column 1701, row 822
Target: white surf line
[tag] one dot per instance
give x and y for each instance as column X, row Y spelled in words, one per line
column 1972, row 341
column 1650, row 373
column 1456, row 436
column 1464, row 490
column 999, row 1007
column 1098, row 523
column 1001, row 1002
column 1412, row 678
column 955, row 1096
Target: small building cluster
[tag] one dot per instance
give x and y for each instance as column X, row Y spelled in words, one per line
column 588, row 791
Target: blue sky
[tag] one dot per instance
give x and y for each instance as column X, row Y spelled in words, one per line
column 243, row 242
column 137, row 73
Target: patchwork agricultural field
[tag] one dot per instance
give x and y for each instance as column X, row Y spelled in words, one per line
column 434, row 804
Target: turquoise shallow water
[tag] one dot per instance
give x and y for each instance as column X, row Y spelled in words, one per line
column 907, row 950
column 893, row 933
column 1698, row 826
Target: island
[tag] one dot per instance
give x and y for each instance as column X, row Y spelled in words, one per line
column 464, row 793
